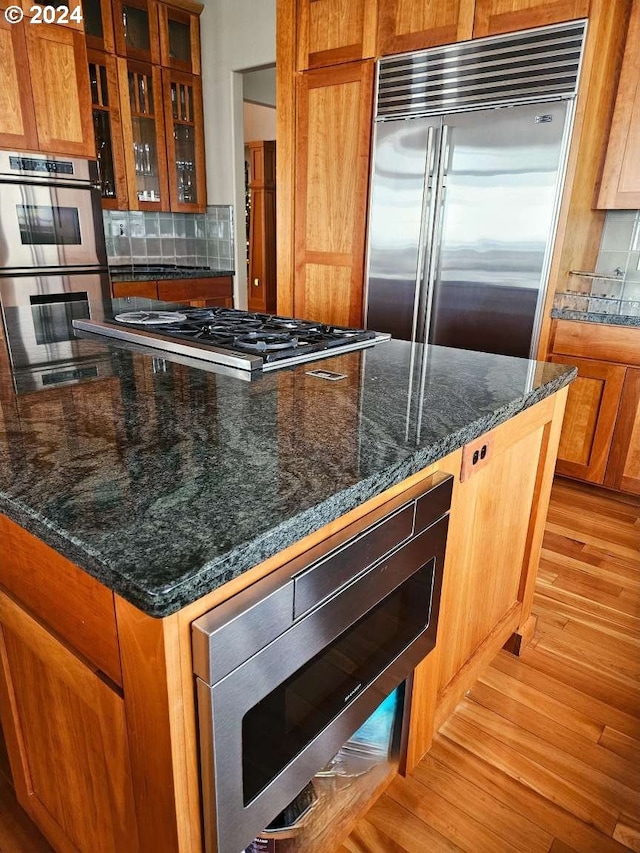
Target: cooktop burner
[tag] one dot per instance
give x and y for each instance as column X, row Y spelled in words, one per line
column 243, row 339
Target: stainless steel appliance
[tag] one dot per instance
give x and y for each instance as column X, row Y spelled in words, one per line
column 53, row 264
column 291, row 667
column 236, row 339
column 470, row 149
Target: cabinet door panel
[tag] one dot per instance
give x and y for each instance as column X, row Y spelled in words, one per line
column 590, row 417
column 623, row 470
column 135, row 24
column 185, row 141
column 331, row 192
column 179, row 39
column 60, row 86
column 103, row 77
column 506, row 16
column 335, row 31
column 66, row 737
column 413, row 24
column 620, row 186
column 17, row 119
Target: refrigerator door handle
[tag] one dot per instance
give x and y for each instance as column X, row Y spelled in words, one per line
column 426, row 227
column 438, row 215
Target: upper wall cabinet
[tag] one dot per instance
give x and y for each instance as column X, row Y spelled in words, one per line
column 180, row 36
column 45, row 102
column 107, row 125
column 620, row 187
column 492, row 17
column 335, row 31
column 136, row 29
column 185, row 140
column 98, row 25
column 413, row 24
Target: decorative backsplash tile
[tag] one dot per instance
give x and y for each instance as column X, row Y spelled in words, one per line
column 619, row 256
column 182, row 239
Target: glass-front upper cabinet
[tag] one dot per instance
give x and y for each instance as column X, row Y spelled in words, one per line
column 185, row 140
column 145, row 152
column 107, row 127
column 136, row 29
column 180, row 36
column 98, row 25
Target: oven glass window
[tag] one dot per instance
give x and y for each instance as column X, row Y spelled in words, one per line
column 277, row 729
column 53, row 314
column 42, row 225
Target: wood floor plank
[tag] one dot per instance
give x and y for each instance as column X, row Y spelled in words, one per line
column 367, row 838
column 627, row 832
column 407, row 829
column 621, row 744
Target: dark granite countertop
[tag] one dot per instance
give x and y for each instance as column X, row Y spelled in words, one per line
column 593, row 317
column 141, row 273
column 165, row 481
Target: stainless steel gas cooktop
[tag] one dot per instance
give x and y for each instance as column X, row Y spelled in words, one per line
column 238, row 339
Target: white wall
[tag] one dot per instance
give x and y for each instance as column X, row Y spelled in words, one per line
column 260, row 86
column 236, row 35
column 259, row 122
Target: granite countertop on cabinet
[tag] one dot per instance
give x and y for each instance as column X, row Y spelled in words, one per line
column 142, row 273
column 595, row 317
column 166, row 483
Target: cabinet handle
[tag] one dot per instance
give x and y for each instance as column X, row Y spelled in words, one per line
column 256, row 282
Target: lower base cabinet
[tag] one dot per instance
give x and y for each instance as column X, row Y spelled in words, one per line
column 66, row 737
column 199, row 292
column 600, row 440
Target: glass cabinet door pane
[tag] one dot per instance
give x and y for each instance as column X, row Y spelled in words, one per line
column 145, row 156
column 184, row 136
column 136, row 27
column 92, row 18
column 104, row 148
column 179, row 41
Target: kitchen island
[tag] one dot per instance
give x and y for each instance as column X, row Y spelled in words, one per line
column 134, row 503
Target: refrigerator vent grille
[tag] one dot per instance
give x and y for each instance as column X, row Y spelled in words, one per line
column 533, row 65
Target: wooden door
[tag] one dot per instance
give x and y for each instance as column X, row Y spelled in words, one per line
column 17, row 118
column 413, row 24
column 107, row 124
column 66, row 738
column 184, row 141
column 60, row 85
column 145, row 148
column 620, row 186
column 331, row 32
column 180, row 37
column 98, row 25
column 623, row 470
column 507, row 16
column 333, row 128
column 590, row 417
column 262, row 226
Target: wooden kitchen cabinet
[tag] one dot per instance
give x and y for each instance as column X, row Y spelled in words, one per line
column 45, row 102
column 184, row 141
column 261, row 292
column 136, row 30
column 66, row 737
column 107, row 126
column 406, row 25
column 492, row 17
column 590, row 418
column 98, row 25
column 216, row 291
column 332, row 173
column 620, row 186
column 335, row 31
column 623, row 469
column 180, row 36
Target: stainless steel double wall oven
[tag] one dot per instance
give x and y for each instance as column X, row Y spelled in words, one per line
column 53, row 264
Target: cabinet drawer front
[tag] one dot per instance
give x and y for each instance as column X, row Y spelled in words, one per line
column 84, row 614
column 146, row 289
column 618, row 344
column 187, row 289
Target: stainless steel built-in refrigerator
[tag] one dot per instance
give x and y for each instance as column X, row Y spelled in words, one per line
column 470, row 148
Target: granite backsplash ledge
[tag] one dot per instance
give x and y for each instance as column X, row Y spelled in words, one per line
column 176, row 239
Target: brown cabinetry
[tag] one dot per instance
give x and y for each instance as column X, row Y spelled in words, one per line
column 184, row 140
column 413, row 24
column 600, row 440
column 492, row 17
column 620, row 187
column 45, row 102
column 334, row 114
column 180, row 36
column 136, row 29
column 262, row 227
column 98, row 25
column 335, row 31
column 107, row 126
column 203, row 291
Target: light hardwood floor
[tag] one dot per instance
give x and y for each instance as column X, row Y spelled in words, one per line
column 544, row 752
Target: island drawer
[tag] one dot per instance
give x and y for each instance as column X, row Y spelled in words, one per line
column 83, row 616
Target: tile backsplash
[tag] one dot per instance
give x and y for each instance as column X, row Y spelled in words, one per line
column 183, row 239
column 619, row 256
